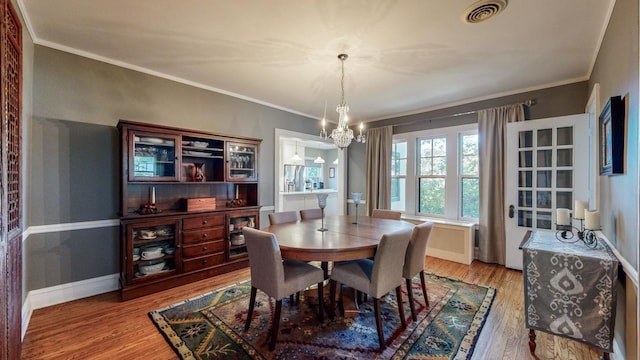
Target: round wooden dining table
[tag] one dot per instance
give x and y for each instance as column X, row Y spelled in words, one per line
column 342, row 240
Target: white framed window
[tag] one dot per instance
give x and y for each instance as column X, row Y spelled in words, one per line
column 441, row 175
column 399, row 175
column 469, row 175
column 432, row 175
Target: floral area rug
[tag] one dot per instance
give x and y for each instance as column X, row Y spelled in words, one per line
column 211, row 326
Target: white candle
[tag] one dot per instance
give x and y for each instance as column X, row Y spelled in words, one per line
column 153, row 194
column 578, row 211
column 563, row 217
column 592, row 220
column 237, row 188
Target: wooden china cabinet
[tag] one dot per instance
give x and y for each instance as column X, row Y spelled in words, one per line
column 185, row 197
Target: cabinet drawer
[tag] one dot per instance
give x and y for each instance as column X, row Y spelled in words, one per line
column 202, row 249
column 202, row 262
column 199, row 222
column 196, row 236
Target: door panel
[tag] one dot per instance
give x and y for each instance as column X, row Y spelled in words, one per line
column 546, row 168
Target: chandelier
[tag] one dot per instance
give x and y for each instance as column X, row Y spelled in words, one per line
column 342, row 135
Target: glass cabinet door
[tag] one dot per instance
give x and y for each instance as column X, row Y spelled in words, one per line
column 153, row 157
column 151, row 250
column 242, row 162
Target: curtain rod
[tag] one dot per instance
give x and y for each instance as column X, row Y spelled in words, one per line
column 529, row 103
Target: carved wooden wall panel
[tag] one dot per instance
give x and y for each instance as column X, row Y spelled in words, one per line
column 10, row 182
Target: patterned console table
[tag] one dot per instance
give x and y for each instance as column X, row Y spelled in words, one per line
column 569, row 290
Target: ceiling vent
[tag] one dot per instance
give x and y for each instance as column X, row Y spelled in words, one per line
column 483, row 10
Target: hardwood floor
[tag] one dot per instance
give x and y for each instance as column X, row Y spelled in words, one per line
column 103, row 327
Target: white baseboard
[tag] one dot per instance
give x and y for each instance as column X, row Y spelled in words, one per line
column 40, row 298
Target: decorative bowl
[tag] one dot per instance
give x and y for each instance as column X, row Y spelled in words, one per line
column 200, row 144
column 237, row 239
column 151, row 268
column 163, row 231
column 169, row 251
column 151, row 253
column 147, row 234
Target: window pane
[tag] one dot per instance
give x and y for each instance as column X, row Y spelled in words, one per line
column 524, row 198
column 565, row 136
column 400, row 149
column 432, row 196
column 440, row 147
column 470, row 144
column 398, row 194
column 470, row 198
column 543, row 220
column 544, row 158
column 525, row 218
column 544, row 179
column 526, row 159
column 565, row 157
column 470, row 165
column 543, row 199
column 439, row 166
column 425, row 166
column 524, row 179
column 545, row 137
column 469, row 155
column 426, row 148
column 525, row 139
column 564, row 179
column 564, row 199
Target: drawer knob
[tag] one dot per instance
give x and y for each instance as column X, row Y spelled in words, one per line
column 204, row 248
column 204, row 261
column 204, row 222
column 204, row 235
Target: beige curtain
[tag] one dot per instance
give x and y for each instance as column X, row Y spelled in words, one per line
column 492, row 128
column 378, row 168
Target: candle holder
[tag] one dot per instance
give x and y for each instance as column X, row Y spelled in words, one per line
column 322, row 203
column 357, row 198
column 587, row 236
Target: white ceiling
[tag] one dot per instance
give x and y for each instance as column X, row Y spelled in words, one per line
column 405, row 56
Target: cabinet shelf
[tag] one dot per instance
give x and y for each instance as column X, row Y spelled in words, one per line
column 203, row 156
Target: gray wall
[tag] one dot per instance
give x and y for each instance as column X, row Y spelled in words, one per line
column 74, row 162
column 616, row 70
column 27, row 108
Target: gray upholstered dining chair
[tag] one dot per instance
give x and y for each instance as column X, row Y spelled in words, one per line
column 278, row 278
column 308, row 214
column 283, row 217
column 386, row 214
column 375, row 277
column 414, row 261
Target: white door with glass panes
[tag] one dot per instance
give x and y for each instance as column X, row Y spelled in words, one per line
column 547, row 167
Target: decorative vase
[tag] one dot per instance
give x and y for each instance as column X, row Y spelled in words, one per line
column 197, row 173
column 357, row 198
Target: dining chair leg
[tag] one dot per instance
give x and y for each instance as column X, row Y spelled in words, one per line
column 424, row 288
column 332, row 298
column 400, row 307
column 292, row 299
column 298, row 298
column 252, row 303
column 411, row 304
column 275, row 324
column 321, row 302
column 376, row 310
